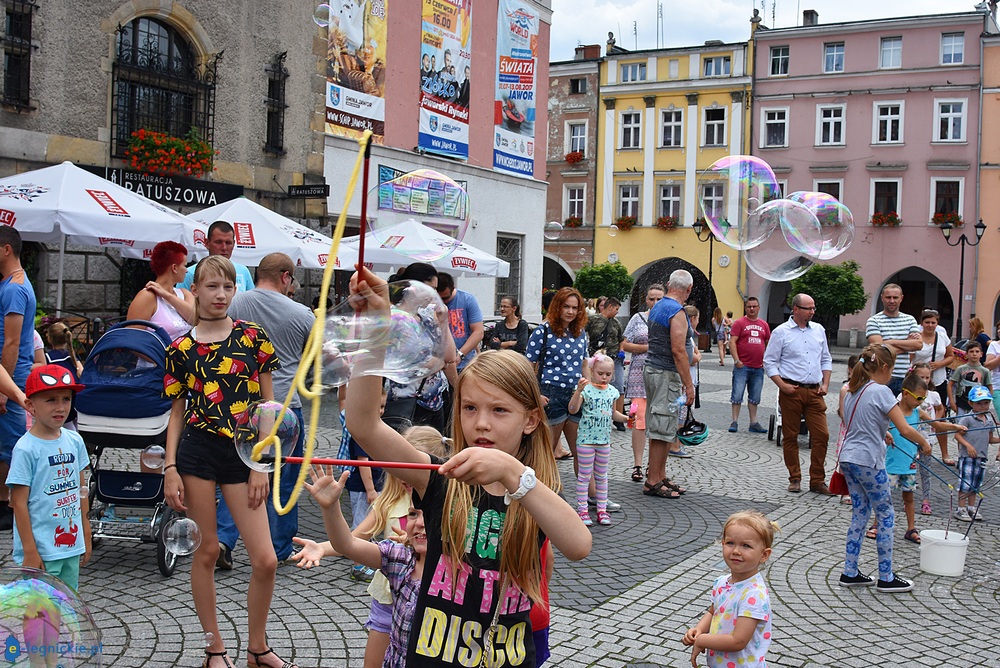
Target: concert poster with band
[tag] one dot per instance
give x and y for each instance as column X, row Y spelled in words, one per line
column 355, row 73
column 445, row 71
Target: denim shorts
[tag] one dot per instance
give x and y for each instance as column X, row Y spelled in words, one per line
column 971, row 471
column 557, row 410
column 748, row 380
column 379, row 617
column 13, row 425
column 210, row 457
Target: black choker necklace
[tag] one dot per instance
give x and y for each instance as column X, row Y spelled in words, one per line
column 213, row 319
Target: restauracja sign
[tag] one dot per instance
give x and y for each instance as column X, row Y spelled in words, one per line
column 171, row 190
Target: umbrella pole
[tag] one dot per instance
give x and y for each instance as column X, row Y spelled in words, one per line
column 59, row 292
column 364, row 205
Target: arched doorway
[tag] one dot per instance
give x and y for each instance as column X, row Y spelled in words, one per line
column 920, row 288
column 702, row 294
column 555, row 273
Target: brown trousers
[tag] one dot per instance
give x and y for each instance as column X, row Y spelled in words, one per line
column 804, row 403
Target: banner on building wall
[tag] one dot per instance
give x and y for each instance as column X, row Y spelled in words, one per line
column 355, row 72
column 445, row 68
column 514, row 103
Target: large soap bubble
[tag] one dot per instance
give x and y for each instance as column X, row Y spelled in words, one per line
column 796, row 223
column 261, row 417
column 730, row 192
column 321, row 15
column 835, row 219
column 775, row 260
column 425, row 196
column 182, row 536
column 413, row 336
column 40, row 616
column 553, row 230
column 152, row 457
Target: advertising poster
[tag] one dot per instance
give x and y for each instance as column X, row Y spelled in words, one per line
column 514, row 103
column 355, row 72
column 445, row 68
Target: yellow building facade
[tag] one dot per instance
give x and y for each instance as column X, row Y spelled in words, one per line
column 666, row 115
column 987, row 289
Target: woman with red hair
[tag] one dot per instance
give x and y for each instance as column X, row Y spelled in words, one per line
column 161, row 301
column 558, row 349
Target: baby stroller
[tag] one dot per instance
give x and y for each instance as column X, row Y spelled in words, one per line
column 122, row 407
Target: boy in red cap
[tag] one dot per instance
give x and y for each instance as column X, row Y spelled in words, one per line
column 48, row 492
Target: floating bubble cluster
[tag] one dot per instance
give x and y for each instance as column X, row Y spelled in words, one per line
column 424, row 195
column 731, row 191
column 45, row 623
column 261, row 418
column 553, row 230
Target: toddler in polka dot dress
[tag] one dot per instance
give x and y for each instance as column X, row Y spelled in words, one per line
column 736, row 630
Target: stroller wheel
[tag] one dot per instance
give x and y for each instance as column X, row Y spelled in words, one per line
column 166, row 561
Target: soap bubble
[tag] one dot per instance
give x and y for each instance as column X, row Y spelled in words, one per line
column 775, row 260
column 582, row 252
column 424, row 197
column 38, row 610
column 835, row 219
column 730, row 192
column 260, row 419
column 321, row 15
column 553, row 230
column 797, row 224
column 613, row 231
column 411, row 334
column 152, row 457
column 209, row 639
column 181, row 536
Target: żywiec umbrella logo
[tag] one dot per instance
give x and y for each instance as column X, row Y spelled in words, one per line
column 27, row 192
column 463, row 262
column 7, row 217
column 108, row 203
column 244, row 235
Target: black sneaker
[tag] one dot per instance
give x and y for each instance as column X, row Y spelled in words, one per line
column 225, row 560
column 620, row 426
column 6, row 517
column 896, row 586
column 858, row 580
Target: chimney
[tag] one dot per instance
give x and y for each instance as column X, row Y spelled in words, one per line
column 810, row 17
column 587, row 52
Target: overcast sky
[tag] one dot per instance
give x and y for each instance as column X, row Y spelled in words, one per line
column 687, row 23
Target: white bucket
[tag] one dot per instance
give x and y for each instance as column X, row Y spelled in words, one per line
column 940, row 556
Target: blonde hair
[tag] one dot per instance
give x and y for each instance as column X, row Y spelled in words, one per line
column 60, row 337
column 757, row 522
column 511, row 373
column 423, row 438
column 597, row 359
column 874, row 357
column 213, row 265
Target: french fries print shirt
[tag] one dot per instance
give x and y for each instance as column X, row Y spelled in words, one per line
column 220, row 379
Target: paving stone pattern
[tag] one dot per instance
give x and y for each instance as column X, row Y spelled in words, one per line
column 645, row 582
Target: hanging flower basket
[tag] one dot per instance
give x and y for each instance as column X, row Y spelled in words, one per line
column 890, row 219
column 574, row 157
column 160, row 153
column 953, row 219
column 573, row 221
column 666, row 222
column 625, row 223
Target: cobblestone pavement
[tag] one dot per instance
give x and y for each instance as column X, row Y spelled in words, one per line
column 643, row 585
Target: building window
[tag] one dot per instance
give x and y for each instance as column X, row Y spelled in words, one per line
column 885, row 196
column 674, row 68
column 17, row 54
column 672, row 127
column 633, row 72
column 509, row 248
column 158, row 86
column 779, row 61
column 775, row 128
column 888, row 123
column 953, row 48
column 717, row 67
column 833, row 57
column 628, row 201
column 577, row 86
column 947, row 195
column 577, row 135
column 715, row 127
column 574, row 201
column 891, row 53
column 831, row 188
column 712, row 199
column 274, row 104
column 631, row 126
column 830, row 125
column 949, row 120
column 670, row 201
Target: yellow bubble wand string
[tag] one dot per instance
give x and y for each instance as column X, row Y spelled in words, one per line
column 312, row 355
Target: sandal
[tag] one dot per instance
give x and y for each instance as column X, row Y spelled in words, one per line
column 211, row 655
column 949, row 462
column 659, row 490
column 637, row 475
column 872, row 532
column 925, row 507
column 846, row 500
column 913, row 536
column 256, row 658
column 670, row 484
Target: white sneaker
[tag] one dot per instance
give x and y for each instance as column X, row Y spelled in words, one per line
column 975, row 514
column 962, row 515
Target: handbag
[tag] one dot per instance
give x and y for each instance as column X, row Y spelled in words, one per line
column 838, row 483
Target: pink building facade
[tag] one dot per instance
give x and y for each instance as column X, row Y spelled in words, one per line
column 885, row 116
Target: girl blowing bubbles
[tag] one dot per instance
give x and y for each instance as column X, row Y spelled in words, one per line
column 485, row 510
column 736, row 630
column 593, row 448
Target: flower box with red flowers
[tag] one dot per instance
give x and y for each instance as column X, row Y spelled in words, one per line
column 160, row 153
column 625, row 223
column 890, row 219
column 574, row 157
column 573, row 221
column 666, row 222
column 952, row 219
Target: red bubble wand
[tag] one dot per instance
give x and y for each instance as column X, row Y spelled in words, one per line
column 269, row 459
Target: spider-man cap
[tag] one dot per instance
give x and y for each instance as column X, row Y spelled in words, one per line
column 49, row 377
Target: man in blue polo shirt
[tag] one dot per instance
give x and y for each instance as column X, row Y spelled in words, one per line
column 465, row 318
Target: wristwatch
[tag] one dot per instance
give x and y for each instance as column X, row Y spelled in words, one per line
column 525, row 485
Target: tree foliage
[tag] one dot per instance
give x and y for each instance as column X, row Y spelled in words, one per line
column 610, row 278
column 837, row 288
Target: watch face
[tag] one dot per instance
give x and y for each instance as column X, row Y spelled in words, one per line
column 528, row 478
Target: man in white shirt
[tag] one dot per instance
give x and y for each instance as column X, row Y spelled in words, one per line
column 798, row 360
column 898, row 330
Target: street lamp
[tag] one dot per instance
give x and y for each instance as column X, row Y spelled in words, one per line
column 962, row 241
column 699, row 226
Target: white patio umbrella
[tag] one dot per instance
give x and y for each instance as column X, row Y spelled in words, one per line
column 409, row 241
column 63, row 202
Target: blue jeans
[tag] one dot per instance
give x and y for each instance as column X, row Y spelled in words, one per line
column 13, row 425
column 869, row 488
column 749, row 380
column 283, row 527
